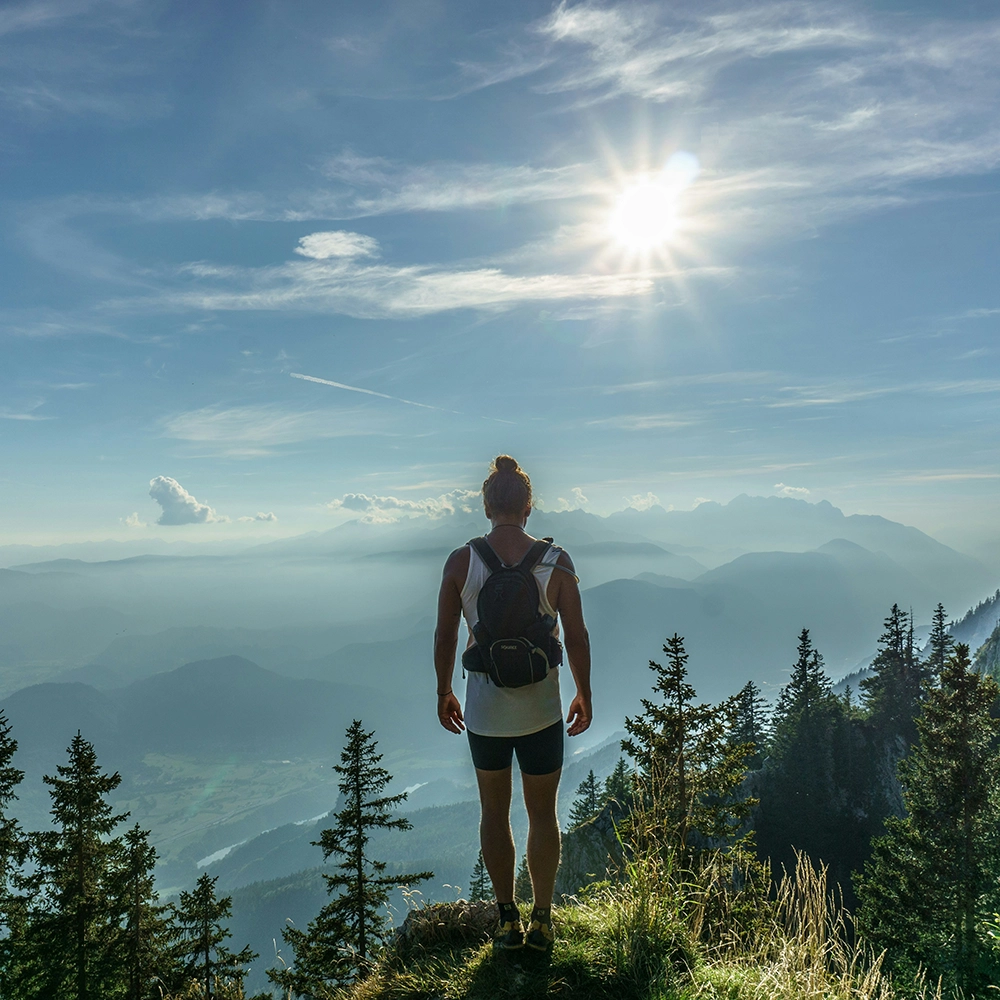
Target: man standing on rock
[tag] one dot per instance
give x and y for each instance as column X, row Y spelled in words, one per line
column 508, row 588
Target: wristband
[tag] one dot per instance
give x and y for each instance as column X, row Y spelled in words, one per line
column 445, row 695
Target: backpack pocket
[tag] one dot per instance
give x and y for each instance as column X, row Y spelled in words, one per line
column 516, row 662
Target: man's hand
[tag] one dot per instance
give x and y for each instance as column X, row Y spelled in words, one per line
column 580, row 714
column 450, row 713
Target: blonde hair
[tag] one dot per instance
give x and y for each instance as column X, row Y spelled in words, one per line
column 507, row 489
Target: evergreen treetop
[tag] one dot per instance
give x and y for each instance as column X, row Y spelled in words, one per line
column 893, row 692
column 689, row 770
column 340, row 943
column 619, row 785
column 76, row 914
column 480, row 886
column 932, row 881
column 751, row 723
column 588, row 802
column 201, row 918
column 940, row 644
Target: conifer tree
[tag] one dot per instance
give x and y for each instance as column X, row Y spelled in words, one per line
column 74, row 926
column 480, row 886
column 751, row 723
column 814, row 786
column 893, row 691
column 523, row 893
column 932, row 880
column 145, row 950
column 200, row 917
column 940, row 644
column 619, row 785
column 689, row 771
column 339, row 944
column 588, row 801
column 14, row 848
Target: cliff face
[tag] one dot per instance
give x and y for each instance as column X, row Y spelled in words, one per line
column 589, row 851
column 988, row 658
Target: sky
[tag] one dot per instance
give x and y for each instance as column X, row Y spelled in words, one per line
column 266, row 266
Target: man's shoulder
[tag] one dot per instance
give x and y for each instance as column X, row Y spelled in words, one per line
column 457, row 562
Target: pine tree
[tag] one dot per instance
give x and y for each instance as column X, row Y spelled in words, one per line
column 751, row 723
column 14, row 849
column 619, row 785
column 200, row 920
column 588, row 801
column 339, row 944
column 940, row 644
column 814, row 784
column 145, row 952
column 933, row 878
column 74, row 926
column 523, row 893
column 690, row 773
column 893, row 692
column 480, row 886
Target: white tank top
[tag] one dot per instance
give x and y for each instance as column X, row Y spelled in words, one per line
column 497, row 711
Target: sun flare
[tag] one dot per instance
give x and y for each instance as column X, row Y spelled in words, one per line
column 644, row 216
column 645, row 213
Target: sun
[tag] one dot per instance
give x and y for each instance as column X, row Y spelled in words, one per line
column 644, row 216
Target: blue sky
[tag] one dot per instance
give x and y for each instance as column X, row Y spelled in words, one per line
column 679, row 251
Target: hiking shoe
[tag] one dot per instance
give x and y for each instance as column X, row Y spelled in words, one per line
column 540, row 935
column 510, row 937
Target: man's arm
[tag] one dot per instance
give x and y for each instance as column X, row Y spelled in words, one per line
column 577, row 642
column 446, row 640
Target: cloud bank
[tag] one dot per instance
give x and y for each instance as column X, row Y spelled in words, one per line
column 379, row 509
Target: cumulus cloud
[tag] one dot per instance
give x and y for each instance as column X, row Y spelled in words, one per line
column 378, row 509
column 338, row 243
column 642, row 501
column 132, row 521
column 791, row 491
column 178, row 506
column 577, row 503
column 260, row 516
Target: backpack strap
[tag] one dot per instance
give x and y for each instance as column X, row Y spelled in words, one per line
column 534, row 555
column 486, row 553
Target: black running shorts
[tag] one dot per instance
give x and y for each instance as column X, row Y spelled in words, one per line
column 537, row 753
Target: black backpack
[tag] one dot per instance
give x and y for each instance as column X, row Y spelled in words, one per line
column 514, row 641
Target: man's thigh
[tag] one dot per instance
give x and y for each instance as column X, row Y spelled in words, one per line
column 540, row 793
column 495, row 790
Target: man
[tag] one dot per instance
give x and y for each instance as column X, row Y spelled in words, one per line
column 524, row 720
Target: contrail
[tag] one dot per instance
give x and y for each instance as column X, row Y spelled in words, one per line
column 382, row 395
column 370, row 392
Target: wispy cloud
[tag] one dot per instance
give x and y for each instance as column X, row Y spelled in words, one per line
column 249, row 431
column 879, row 104
column 72, row 56
column 644, row 421
column 377, row 291
column 359, row 187
column 27, row 411
column 852, row 391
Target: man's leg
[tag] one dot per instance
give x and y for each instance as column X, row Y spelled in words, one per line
column 540, row 791
column 494, row 831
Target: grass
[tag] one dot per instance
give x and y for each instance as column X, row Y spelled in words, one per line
column 644, row 938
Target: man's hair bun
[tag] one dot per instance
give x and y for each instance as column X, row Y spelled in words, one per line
column 507, row 490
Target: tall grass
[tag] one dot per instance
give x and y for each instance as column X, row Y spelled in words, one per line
column 657, row 934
